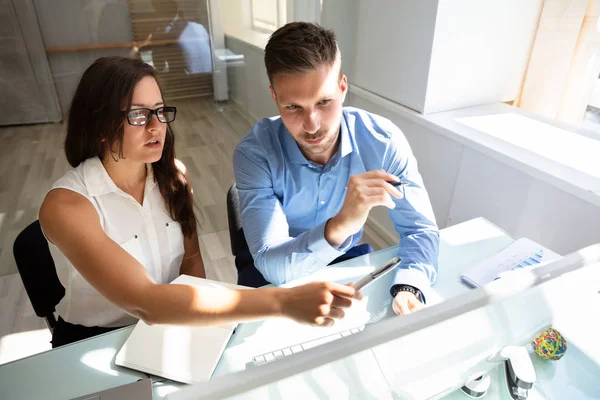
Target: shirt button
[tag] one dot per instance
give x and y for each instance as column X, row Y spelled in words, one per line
column 322, row 202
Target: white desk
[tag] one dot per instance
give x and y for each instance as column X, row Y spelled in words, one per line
column 88, row 366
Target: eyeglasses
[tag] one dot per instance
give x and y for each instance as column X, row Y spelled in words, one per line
column 142, row 116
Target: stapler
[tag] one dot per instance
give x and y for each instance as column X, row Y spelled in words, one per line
column 520, row 374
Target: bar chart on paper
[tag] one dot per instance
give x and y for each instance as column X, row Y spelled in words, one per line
column 522, row 253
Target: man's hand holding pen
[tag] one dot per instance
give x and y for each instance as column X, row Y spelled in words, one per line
column 364, row 191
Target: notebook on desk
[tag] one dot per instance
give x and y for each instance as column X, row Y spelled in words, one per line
column 179, row 353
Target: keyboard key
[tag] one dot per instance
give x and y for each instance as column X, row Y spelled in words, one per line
column 297, row 349
column 320, row 341
column 278, row 354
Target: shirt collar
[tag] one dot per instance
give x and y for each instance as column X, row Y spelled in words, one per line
column 296, row 156
column 98, row 182
column 346, row 143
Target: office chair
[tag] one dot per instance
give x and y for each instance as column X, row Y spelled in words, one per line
column 239, row 246
column 38, row 272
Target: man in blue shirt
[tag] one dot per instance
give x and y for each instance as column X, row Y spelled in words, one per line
column 308, row 178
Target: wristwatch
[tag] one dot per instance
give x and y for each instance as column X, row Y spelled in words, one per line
column 407, row 288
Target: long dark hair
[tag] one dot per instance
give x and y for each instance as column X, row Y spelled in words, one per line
column 96, row 121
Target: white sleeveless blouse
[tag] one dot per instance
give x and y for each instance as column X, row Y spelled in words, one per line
column 147, row 232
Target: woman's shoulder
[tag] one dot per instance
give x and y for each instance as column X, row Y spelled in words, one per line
column 86, row 178
column 70, row 190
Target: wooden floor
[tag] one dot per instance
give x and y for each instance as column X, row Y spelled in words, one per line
column 31, row 159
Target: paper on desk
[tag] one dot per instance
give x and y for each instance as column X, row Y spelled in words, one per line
column 521, row 254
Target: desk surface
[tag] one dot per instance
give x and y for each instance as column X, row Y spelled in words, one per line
column 88, row 366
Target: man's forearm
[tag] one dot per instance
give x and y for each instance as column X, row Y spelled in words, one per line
column 335, row 232
column 296, row 257
column 419, row 253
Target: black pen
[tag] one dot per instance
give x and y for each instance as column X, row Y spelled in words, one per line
column 397, row 183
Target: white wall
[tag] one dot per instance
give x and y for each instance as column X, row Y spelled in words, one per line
column 436, row 55
column 393, row 49
column 342, row 17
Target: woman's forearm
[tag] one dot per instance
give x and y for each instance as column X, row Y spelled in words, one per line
column 190, row 305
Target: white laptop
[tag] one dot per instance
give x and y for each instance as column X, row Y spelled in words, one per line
column 179, row 353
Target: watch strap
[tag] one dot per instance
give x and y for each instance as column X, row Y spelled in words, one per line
column 407, row 288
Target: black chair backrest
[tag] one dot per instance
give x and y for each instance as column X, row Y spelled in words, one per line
column 239, row 246
column 38, row 272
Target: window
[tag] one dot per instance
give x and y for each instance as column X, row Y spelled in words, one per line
column 561, row 80
column 268, row 15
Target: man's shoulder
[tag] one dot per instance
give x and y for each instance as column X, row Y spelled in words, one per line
column 367, row 124
column 263, row 134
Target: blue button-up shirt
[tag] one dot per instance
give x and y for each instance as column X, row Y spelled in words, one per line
column 286, row 200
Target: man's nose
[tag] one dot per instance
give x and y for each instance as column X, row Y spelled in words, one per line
column 311, row 123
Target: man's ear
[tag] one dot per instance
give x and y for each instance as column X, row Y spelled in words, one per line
column 273, row 94
column 344, row 87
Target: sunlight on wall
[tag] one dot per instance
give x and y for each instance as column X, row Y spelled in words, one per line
column 567, row 148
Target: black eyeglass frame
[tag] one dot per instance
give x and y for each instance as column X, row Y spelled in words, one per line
column 153, row 112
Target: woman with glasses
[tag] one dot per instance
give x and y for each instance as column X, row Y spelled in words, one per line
column 120, row 224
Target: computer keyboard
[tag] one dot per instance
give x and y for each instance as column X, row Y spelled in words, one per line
column 277, row 354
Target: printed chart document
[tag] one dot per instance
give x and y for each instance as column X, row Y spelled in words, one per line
column 522, row 253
